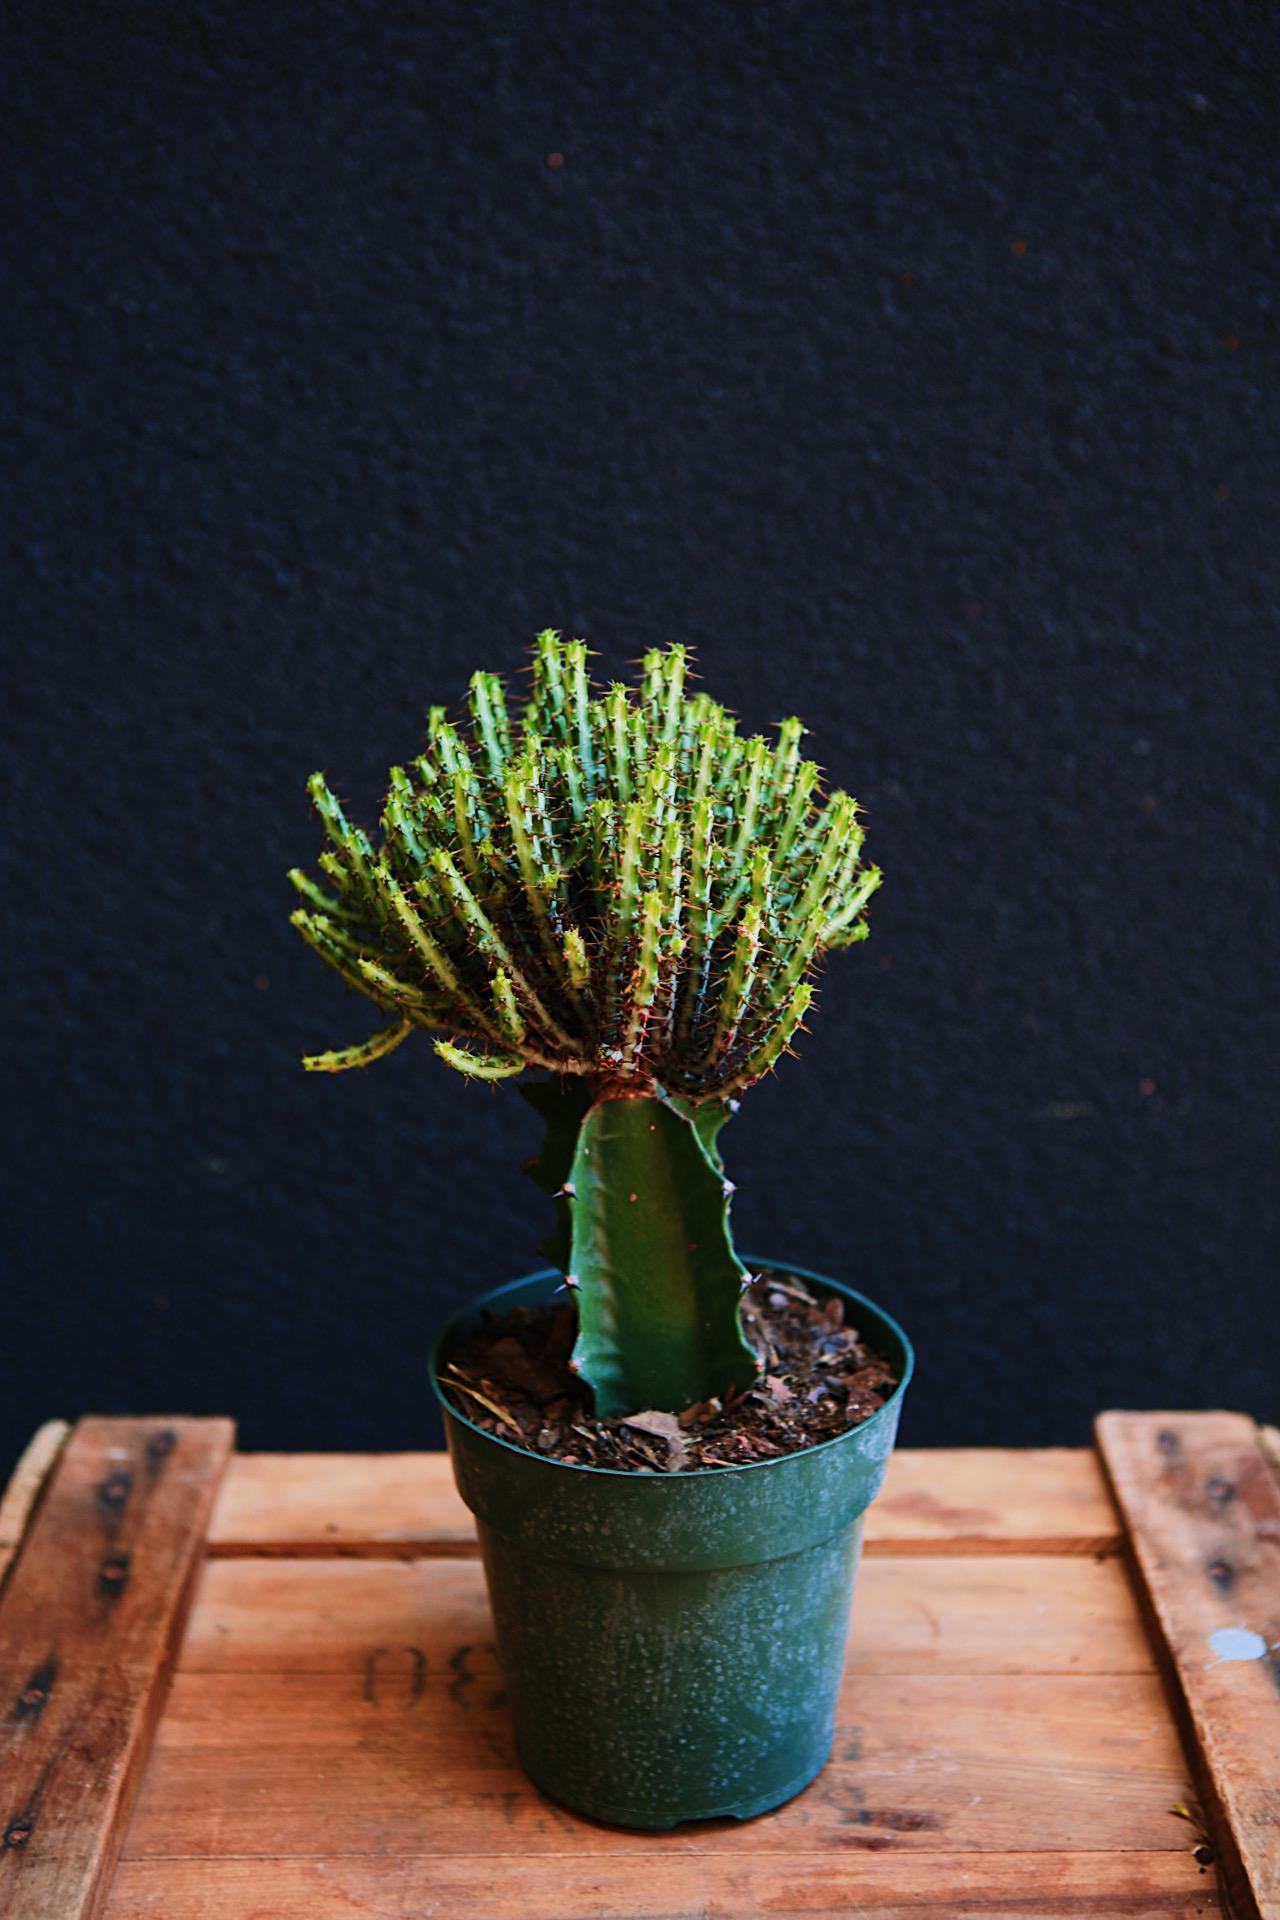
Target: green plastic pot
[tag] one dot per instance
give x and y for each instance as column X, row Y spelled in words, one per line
column 672, row 1644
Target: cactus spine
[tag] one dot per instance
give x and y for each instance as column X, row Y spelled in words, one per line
column 622, row 891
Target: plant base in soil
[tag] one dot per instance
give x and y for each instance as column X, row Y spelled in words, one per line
column 818, row 1379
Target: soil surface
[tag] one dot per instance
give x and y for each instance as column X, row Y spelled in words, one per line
column 817, row 1380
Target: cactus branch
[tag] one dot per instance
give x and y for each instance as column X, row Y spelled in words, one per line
column 362, row 1055
column 480, row 1066
column 634, row 890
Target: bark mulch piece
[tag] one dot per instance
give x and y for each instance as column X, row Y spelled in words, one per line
column 817, row 1379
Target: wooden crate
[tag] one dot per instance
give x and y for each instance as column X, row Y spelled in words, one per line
column 262, row 1687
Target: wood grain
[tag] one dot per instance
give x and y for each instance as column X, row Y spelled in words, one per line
column 403, row 1506
column 415, row 1755
column 89, row 1625
column 1008, row 1614
column 1202, row 1509
column 25, row 1487
column 886, row 1886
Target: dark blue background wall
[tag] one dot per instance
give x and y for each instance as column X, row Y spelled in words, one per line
column 910, row 362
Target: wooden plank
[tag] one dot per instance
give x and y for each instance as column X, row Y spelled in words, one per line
column 25, row 1487
column 403, row 1506
column 1008, row 1614
column 673, row 1885
column 89, row 1625
column 415, row 1755
column 1202, row 1511
column 983, row 1500
column 390, row 1505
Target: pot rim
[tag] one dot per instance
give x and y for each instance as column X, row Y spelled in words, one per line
column 754, row 1261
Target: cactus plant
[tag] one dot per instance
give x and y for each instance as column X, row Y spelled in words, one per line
column 620, row 890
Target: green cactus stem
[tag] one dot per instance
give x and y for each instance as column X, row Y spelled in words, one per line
column 624, row 893
column 642, row 1234
column 658, row 1280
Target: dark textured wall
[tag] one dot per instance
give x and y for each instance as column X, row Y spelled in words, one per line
column 915, row 364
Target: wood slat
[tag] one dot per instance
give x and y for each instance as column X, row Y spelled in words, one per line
column 336, row 1739
column 89, row 1624
column 382, row 1505
column 403, row 1506
column 415, row 1755
column 25, row 1486
column 1009, row 1614
column 884, row 1886
column 1202, row 1509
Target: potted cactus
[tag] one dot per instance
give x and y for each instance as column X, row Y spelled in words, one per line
column 621, row 897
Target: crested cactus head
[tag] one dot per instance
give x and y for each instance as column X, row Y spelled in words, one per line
column 622, row 890
column 616, row 886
